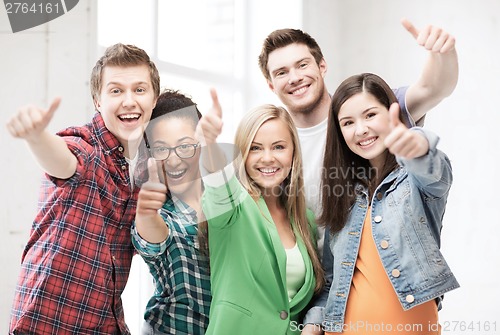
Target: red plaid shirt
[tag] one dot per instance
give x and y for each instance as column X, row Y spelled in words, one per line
column 77, row 260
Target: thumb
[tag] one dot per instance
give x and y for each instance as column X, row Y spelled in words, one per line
column 153, row 171
column 216, row 108
column 52, row 108
column 394, row 120
column 410, row 27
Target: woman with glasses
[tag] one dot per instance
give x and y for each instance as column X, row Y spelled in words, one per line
column 169, row 230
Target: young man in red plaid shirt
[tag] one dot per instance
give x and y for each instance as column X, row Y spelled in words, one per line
column 77, row 260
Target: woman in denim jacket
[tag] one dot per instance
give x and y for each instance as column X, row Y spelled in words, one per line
column 384, row 196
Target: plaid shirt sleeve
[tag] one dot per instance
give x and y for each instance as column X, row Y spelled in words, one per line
column 147, row 249
column 77, row 259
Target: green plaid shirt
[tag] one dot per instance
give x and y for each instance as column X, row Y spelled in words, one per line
column 181, row 301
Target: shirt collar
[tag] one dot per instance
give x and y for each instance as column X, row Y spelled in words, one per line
column 108, row 141
column 174, row 204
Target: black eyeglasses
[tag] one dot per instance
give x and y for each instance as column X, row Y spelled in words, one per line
column 183, row 151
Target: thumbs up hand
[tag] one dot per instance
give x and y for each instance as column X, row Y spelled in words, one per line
column 401, row 141
column 207, row 131
column 210, row 125
column 152, row 195
column 30, row 121
column 431, row 38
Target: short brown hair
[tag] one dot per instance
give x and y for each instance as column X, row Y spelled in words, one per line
column 122, row 55
column 283, row 37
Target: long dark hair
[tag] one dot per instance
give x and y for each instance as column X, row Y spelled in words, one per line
column 343, row 169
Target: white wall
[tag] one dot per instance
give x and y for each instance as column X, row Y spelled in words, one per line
column 36, row 65
column 366, row 36
column 356, row 36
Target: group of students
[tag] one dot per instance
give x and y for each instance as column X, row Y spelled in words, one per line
column 248, row 238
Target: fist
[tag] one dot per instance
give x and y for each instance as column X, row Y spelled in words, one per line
column 153, row 193
column 401, row 141
column 432, row 38
column 30, row 121
column 210, row 125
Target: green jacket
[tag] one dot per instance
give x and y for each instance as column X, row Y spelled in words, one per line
column 248, row 266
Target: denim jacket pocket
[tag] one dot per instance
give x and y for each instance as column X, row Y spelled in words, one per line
column 399, row 190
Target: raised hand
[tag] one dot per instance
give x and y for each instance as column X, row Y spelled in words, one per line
column 50, row 150
column 210, row 125
column 207, row 131
column 29, row 122
column 401, row 141
column 432, row 38
column 152, row 195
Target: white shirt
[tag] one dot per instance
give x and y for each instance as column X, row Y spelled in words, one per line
column 295, row 271
column 312, row 144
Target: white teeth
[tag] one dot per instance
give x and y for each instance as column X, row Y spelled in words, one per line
column 268, row 170
column 129, row 116
column 367, row 142
column 299, row 91
column 176, row 173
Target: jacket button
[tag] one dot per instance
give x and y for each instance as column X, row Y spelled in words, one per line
column 395, row 273
column 384, row 244
column 380, row 195
column 120, row 149
column 377, row 219
column 283, row 315
column 410, row 298
column 124, row 167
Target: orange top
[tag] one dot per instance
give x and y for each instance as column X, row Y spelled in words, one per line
column 373, row 306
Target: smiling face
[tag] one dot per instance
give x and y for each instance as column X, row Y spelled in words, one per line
column 270, row 157
column 181, row 173
column 296, row 78
column 126, row 102
column 364, row 123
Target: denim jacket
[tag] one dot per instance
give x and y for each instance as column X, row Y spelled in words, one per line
column 407, row 212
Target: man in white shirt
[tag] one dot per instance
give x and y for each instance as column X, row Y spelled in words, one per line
column 294, row 66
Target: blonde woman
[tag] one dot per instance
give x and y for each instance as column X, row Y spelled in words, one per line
column 264, row 267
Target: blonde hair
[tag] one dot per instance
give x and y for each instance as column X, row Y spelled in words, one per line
column 292, row 196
